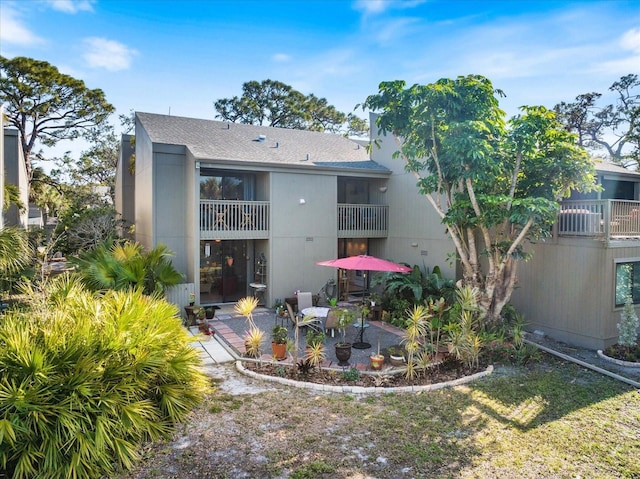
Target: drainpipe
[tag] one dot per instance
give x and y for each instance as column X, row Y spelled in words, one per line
column 566, row 357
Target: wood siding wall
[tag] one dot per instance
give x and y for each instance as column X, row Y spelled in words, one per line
column 567, row 290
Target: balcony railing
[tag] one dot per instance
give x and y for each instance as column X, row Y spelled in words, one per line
column 227, row 219
column 606, row 219
column 363, row 221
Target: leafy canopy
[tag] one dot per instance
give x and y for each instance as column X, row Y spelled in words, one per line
column 273, row 103
column 46, row 105
column 494, row 183
column 614, row 128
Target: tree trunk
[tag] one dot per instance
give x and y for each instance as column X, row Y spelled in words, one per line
column 496, row 291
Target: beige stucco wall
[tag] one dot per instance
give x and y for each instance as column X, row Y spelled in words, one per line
column 15, row 173
column 125, row 184
column 301, row 234
column 567, row 290
column 164, row 204
column 416, row 234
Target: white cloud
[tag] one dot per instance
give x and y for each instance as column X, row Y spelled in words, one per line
column 371, row 6
column 394, row 29
column 12, row 29
column 631, row 40
column 281, row 58
column 72, row 6
column 108, row 54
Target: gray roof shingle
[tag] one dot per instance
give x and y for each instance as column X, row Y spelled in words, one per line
column 216, row 140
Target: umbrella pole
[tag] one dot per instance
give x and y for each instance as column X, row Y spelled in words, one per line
column 362, row 344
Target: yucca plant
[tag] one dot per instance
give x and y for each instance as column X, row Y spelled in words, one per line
column 414, row 335
column 85, row 382
column 254, row 336
column 464, row 341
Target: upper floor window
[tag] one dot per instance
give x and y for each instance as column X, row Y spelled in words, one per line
column 216, row 185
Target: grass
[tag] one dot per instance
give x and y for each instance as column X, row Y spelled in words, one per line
column 550, row 420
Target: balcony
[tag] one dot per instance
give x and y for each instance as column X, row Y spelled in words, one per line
column 363, row 221
column 230, row 219
column 609, row 220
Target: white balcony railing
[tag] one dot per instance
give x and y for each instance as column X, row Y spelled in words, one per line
column 227, row 219
column 607, row 219
column 363, row 221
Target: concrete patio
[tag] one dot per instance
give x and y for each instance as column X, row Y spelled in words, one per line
column 227, row 342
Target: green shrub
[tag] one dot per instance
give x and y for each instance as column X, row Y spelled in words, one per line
column 84, row 380
column 124, row 265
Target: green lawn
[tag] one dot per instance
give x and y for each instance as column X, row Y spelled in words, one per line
column 552, row 420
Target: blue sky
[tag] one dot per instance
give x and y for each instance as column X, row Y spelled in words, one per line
column 179, row 57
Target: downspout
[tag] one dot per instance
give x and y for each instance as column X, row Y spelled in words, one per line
column 585, row 365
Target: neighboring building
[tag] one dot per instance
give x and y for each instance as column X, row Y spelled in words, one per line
column 244, row 205
column 15, row 172
column 575, row 285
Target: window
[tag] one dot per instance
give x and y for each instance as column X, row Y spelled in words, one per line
column 226, row 186
column 627, row 282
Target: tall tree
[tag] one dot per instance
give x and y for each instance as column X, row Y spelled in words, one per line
column 46, row 105
column 494, row 183
column 614, row 127
column 273, row 103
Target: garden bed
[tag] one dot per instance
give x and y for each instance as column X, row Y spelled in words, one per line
column 443, row 372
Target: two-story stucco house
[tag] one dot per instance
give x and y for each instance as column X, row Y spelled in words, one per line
column 243, row 206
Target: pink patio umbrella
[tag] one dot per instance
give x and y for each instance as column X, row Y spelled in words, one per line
column 365, row 263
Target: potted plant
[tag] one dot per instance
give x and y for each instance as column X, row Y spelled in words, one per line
column 343, row 348
column 199, row 313
column 333, row 302
column 209, row 312
column 279, row 342
column 396, row 355
column 192, row 299
column 377, row 359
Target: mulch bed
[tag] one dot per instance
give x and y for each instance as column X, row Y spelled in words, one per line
column 447, row 370
column 623, row 353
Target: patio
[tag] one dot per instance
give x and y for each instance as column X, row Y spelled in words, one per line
column 231, row 326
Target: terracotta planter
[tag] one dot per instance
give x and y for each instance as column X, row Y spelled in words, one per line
column 343, row 353
column 279, row 350
column 377, row 360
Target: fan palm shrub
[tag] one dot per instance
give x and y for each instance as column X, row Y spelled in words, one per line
column 86, row 378
column 123, row 265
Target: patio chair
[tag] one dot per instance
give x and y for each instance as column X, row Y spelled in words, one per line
column 305, row 300
column 302, row 322
column 333, row 320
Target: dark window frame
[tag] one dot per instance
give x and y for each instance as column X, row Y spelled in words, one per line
column 626, row 271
